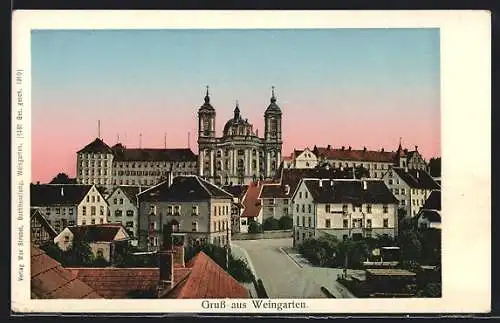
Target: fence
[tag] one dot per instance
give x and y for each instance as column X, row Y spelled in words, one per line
column 275, row 234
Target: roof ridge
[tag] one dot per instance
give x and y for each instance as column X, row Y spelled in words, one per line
column 202, row 185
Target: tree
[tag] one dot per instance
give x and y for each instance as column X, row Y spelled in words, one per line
column 79, row 254
column 61, row 178
column 254, row 226
column 409, row 242
column 285, row 222
column 271, row 224
column 435, row 167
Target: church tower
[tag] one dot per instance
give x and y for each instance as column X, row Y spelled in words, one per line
column 206, row 119
column 272, row 136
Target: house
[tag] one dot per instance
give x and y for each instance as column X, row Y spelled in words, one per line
column 50, row 280
column 105, row 240
column 124, row 209
column 252, row 208
column 429, row 215
column 276, row 197
column 193, row 205
column 301, row 159
column 41, row 231
column 199, row 278
column 343, row 208
column 411, row 187
column 239, row 193
column 68, row 204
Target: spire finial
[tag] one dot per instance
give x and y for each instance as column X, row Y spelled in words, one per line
column 207, row 98
column 236, row 111
column 273, row 97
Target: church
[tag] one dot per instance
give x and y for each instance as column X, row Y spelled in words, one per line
column 239, row 156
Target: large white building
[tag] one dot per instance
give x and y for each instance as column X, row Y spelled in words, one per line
column 189, row 204
column 343, row 208
column 239, row 156
column 105, row 166
column 69, row 204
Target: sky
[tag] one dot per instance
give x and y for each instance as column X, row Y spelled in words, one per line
column 343, row 87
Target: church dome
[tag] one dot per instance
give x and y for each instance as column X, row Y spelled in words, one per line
column 237, row 125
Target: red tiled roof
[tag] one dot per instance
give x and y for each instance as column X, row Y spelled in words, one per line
column 50, row 280
column 356, row 155
column 207, row 280
column 251, row 202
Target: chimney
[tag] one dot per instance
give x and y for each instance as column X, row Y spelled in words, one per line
column 364, row 185
column 38, row 183
column 62, row 191
column 166, row 262
column 350, row 148
column 416, row 148
column 364, row 148
column 382, row 150
column 329, row 147
column 343, row 147
column 287, row 189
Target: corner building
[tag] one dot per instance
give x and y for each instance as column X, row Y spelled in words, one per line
column 240, row 156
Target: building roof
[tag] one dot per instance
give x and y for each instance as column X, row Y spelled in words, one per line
column 184, row 188
column 207, row 107
column 50, row 280
column 349, row 191
column 292, row 177
column 236, row 190
column 96, row 146
column 96, row 232
column 57, row 194
column 433, row 202
column 251, row 202
column 415, row 178
column 430, row 215
column 389, row 272
column 154, row 154
column 273, row 108
column 35, row 213
column 355, row 155
column 207, row 280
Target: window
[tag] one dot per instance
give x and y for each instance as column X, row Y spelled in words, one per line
column 66, row 238
column 195, row 226
column 403, row 202
column 47, row 210
column 346, row 223
column 390, row 182
column 71, row 223
column 58, row 211
column 115, row 201
column 84, row 210
column 344, row 208
column 121, row 201
column 285, row 201
column 309, row 222
column 327, row 208
column 285, row 211
column 70, row 211
column 101, row 210
column 327, row 223
column 298, row 220
column 169, row 210
column 118, row 212
column 270, row 209
column 98, row 198
column 368, row 208
column 93, row 199
column 101, row 220
column 93, row 221
column 130, row 213
column 309, row 208
column 386, row 208
column 396, row 191
column 300, row 195
column 303, row 221
column 368, row 223
column 88, row 198
column 297, row 207
column 92, row 210
column 403, row 191
column 307, row 195
column 303, row 208
column 386, row 223
column 177, row 210
column 413, row 202
column 100, row 253
column 83, row 222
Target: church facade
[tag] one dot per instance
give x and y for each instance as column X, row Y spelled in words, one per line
column 239, row 156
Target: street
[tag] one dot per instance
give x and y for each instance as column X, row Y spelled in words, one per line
column 287, row 275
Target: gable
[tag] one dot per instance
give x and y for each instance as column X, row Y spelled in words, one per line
column 306, row 155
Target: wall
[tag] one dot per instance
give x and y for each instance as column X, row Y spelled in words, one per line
column 106, row 249
column 278, row 234
column 65, row 215
column 124, row 219
column 275, row 207
column 93, row 198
